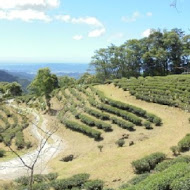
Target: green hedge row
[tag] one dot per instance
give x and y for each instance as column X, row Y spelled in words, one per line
column 71, row 183
column 166, row 180
column 97, row 114
column 38, row 178
column 170, row 90
column 123, row 124
column 184, row 144
column 121, row 105
column 83, row 129
column 148, row 162
column 124, row 114
column 130, row 108
column 167, row 163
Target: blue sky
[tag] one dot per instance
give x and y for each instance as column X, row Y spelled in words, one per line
column 71, row 30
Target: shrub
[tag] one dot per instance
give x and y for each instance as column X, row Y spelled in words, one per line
column 184, row 144
column 100, row 147
column 148, row 162
column 97, row 114
column 83, row 129
column 23, row 180
column 51, row 176
column 93, row 122
column 41, row 186
column 123, row 124
column 182, row 183
column 162, row 180
column 175, row 150
column 167, row 163
column 69, row 183
column 120, row 142
column 2, row 153
column 154, row 119
column 94, row 185
column 137, row 179
column 147, row 125
column 20, row 140
column 124, row 114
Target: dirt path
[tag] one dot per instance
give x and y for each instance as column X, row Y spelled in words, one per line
column 14, row 168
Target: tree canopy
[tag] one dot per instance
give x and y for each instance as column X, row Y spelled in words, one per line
column 44, row 83
column 162, row 53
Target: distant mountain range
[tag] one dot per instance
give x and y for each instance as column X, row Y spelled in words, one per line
column 8, row 77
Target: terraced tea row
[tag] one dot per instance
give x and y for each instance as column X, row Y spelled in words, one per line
column 170, row 90
column 12, row 126
column 79, row 102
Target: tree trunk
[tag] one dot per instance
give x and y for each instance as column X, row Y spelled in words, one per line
column 31, row 179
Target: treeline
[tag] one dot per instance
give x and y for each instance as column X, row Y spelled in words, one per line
column 162, row 53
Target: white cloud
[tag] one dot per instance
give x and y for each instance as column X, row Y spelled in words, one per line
column 27, row 10
column 149, row 14
column 136, row 15
column 132, row 18
column 96, row 33
column 28, row 4
column 146, row 33
column 24, row 15
column 98, row 29
column 64, row 18
column 88, row 20
column 92, row 21
column 78, row 37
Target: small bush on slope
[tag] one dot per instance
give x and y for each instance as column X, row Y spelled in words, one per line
column 148, row 162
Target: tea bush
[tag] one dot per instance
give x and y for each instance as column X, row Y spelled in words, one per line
column 148, row 162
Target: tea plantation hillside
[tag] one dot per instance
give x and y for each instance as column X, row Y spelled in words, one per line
column 13, row 127
column 126, row 142
column 172, row 90
column 98, row 116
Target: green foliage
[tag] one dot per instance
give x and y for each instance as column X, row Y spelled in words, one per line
column 147, row 125
column 66, row 81
column 120, row 142
column 124, row 114
column 175, row 150
column 72, row 182
column 163, row 180
column 39, row 179
column 147, row 56
column 43, row 84
column 123, row 124
column 10, row 89
column 148, row 162
column 137, row 179
column 87, row 78
column 41, row 186
column 2, row 153
column 94, row 185
column 184, row 144
column 182, row 183
column 83, row 129
column 172, row 90
column 98, row 114
column 93, row 122
column 167, row 163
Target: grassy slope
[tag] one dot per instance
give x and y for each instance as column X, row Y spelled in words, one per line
column 115, row 163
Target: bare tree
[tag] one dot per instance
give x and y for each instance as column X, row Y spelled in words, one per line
column 31, row 166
